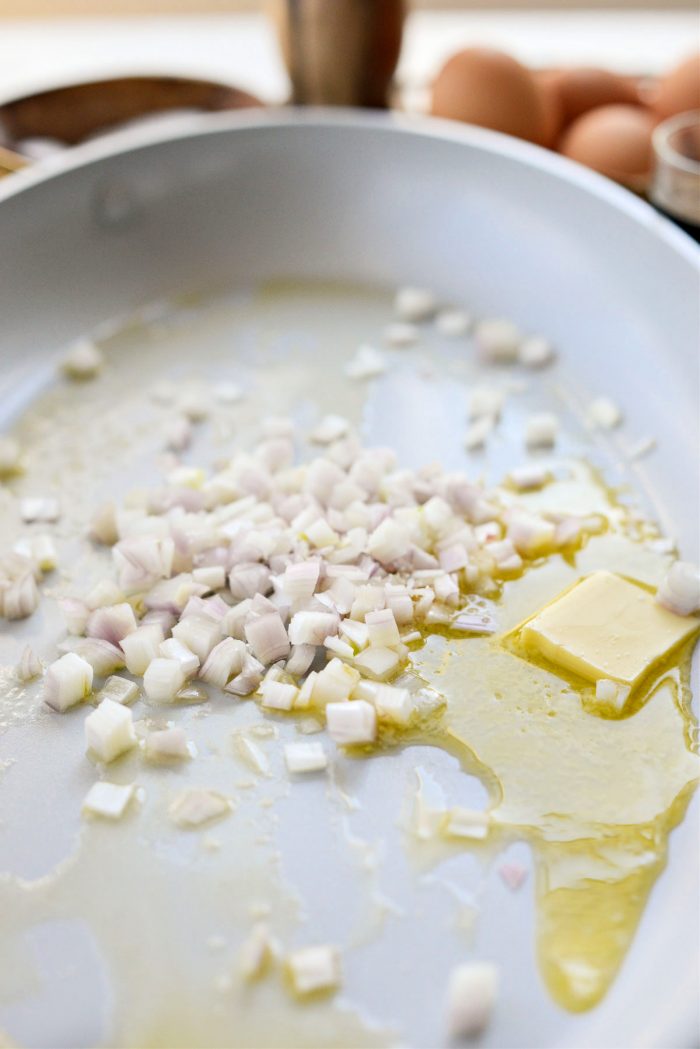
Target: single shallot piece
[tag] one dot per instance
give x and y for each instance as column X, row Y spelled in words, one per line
column 67, row 682
column 680, row 589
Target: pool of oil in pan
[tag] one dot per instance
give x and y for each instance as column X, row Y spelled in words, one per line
column 595, row 799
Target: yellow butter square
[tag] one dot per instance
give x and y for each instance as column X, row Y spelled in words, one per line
column 606, row 627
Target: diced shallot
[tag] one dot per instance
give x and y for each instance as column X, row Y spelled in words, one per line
column 314, row 969
column 331, row 428
column 38, row 508
column 19, row 598
column 174, row 649
column 366, row 364
column 41, row 549
column 197, row 806
column 276, row 695
column 213, row 607
column 103, row 527
column 389, row 541
column 334, row 683
column 212, row 577
column 76, row 614
column 119, row 690
column 380, row 664
column 312, row 628
column 505, row 556
column 351, row 723
column 199, row 634
column 172, row 595
column 103, row 657
column 300, row 659
column 82, row 361
column 141, row 647
column 467, row 823
column 486, row 402
column 529, row 534
column 498, row 341
column 251, row 754
column 478, row 433
column 169, row 744
column 267, row 638
column 603, row 414
column 223, row 662
column 680, row 589
column 473, row 621
column 163, row 679
column 414, row 304
column 535, row 352
column 471, row 995
column 339, row 648
column 29, row 665
column 247, row 580
column 401, row 334
column 67, row 681
column 611, row 693
column 357, row 633
column 112, row 623
column 528, row 478
column 393, row 704
column 143, row 560
column 248, row 680
column 541, row 430
column 453, row 323
column 382, row 630
column 305, row 757
column 105, row 592
column 108, row 800
column 300, row 580
column 178, row 433
column 109, row 730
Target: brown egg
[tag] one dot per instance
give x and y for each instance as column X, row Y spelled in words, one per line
column 679, row 91
column 492, row 90
column 583, row 89
column 614, row 140
column 548, row 81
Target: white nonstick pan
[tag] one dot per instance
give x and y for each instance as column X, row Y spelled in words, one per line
column 342, row 207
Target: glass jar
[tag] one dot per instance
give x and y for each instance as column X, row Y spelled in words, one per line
column 675, row 185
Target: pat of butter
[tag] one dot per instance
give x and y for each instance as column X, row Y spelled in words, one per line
column 606, row 627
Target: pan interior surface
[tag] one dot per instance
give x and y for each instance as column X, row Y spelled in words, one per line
column 271, row 252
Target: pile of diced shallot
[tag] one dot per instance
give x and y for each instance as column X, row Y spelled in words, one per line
column 304, row 585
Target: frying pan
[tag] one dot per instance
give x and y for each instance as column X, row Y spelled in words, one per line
column 228, row 201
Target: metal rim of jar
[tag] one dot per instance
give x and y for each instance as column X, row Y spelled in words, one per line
column 665, row 151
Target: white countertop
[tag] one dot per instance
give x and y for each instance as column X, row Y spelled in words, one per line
column 241, row 49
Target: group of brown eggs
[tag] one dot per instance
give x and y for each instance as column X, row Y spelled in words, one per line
column 599, row 118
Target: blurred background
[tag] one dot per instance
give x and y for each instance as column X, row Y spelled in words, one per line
column 589, row 80
column 43, row 40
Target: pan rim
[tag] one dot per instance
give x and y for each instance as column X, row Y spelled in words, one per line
column 135, row 139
